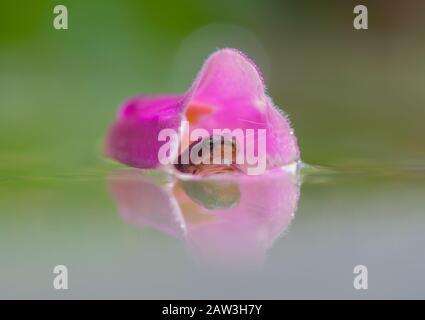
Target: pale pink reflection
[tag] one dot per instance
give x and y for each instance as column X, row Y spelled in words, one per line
column 222, row 220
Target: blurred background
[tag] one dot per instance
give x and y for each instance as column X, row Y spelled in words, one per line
column 355, row 98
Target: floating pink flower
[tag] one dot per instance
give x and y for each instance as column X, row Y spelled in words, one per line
column 228, row 93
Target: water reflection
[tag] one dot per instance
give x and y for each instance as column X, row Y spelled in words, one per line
column 222, row 220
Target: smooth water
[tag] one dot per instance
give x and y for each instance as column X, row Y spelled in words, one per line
column 123, row 233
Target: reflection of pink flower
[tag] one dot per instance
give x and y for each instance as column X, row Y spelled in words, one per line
column 231, row 220
column 227, row 93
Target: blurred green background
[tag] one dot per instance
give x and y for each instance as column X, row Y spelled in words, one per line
column 355, row 98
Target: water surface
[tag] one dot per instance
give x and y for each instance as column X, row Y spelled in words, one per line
column 123, row 233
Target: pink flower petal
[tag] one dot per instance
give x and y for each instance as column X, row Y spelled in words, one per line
column 133, row 138
column 231, row 85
